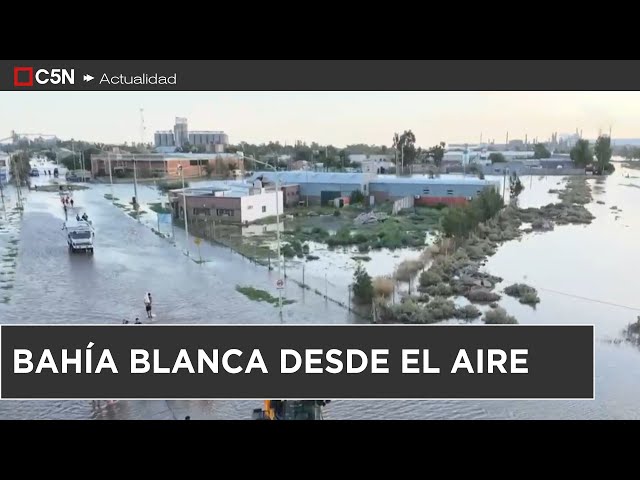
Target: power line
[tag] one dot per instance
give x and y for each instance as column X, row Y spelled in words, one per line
column 588, row 299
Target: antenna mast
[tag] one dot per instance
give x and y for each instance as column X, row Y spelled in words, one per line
column 142, row 127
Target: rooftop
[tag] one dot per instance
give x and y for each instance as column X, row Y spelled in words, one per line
column 306, row 176
column 442, row 180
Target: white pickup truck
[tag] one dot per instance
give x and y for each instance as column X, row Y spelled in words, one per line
column 79, row 235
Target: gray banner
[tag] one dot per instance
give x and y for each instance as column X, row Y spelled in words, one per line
column 319, row 75
column 559, row 359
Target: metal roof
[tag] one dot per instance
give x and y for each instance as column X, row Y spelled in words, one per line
column 424, row 179
column 305, row 176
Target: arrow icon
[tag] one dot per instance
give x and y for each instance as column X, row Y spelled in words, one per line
column 87, row 78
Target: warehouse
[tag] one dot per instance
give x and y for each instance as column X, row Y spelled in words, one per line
column 320, row 187
column 429, row 191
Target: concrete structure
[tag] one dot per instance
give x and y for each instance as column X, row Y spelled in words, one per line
column 233, row 203
column 429, row 191
column 373, row 163
column 215, row 141
column 161, row 165
column 180, row 132
column 319, row 187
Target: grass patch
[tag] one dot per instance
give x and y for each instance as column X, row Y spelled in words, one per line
column 258, row 295
column 312, row 257
column 119, row 205
column 137, row 214
column 6, row 299
column 167, row 185
column 6, row 287
column 158, row 208
column 361, row 258
column 14, row 241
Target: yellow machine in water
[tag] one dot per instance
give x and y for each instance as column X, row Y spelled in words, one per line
column 290, row 410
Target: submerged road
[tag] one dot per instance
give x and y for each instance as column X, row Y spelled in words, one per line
column 53, row 286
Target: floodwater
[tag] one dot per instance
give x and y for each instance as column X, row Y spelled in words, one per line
column 584, row 274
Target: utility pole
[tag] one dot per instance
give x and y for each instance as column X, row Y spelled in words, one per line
column 73, row 149
column 110, row 175
column 135, row 188
column 184, row 198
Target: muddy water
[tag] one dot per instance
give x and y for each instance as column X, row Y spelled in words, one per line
column 584, row 274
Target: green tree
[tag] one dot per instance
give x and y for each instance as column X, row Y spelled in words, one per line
column 209, row 169
column 541, row 151
column 456, row 222
column 602, row 151
column 20, row 164
column 581, row 154
column 362, row 286
column 356, row 197
column 497, row 157
column 406, row 146
column 437, row 152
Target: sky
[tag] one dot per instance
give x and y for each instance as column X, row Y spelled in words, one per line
column 337, row 118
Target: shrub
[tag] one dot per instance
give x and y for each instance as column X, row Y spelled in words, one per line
column 356, row 197
column 362, row 286
column 498, row 316
column 336, row 213
column 467, row 312
column 383, row 287
column 440, row 308
column 407, row 269
column 429, row 277
column 526, row 294
column 482, row 295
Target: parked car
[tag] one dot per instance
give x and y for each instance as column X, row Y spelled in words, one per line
column 34, row 172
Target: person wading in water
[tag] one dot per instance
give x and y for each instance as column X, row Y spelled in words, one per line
column 147, row 305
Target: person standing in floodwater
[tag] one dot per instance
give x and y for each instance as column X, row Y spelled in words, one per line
column 71, row 202
column 65, row 212
column 147, row 304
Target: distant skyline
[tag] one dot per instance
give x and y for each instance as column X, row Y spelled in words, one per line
column 337, row 118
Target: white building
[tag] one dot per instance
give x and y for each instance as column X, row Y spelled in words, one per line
column 228, row 202
column 372, row 163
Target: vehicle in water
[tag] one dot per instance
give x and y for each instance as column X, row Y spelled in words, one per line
column 80, row 234
column 34, row 172
column 55, row 172
column 291, row 410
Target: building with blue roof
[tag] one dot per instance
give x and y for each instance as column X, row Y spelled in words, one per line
column 322, row 187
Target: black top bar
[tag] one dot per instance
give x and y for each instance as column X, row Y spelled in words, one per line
column 328, row 75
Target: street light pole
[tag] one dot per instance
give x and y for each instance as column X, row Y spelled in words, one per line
column 110, row 175
column 184, row 198
column 135, row 187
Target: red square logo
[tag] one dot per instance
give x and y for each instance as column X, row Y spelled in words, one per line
column 27, row 72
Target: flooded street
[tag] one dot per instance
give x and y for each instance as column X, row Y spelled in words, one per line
column 583, row 274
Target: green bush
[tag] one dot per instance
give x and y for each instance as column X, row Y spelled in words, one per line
column 362, row 286
column 498, row 316
column 468, row 312
column 429, row 277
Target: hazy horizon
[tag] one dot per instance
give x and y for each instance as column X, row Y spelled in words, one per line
column 337, row 118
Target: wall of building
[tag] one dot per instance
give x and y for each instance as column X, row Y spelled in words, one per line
column 291, row 195
column 256, row 207
column 435, row 189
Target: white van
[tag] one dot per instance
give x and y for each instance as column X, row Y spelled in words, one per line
column 80, row 236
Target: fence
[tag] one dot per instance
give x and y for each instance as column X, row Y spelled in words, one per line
column 402, row 204
column 294, row 271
